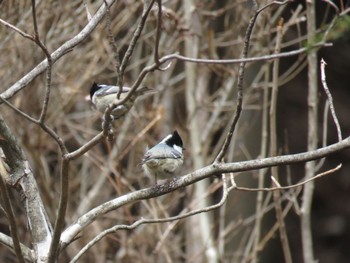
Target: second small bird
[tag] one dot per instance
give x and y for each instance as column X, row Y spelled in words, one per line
column 163, row 159
column 103, row 95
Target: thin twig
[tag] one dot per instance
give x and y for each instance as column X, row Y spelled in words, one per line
column 67, row 47
column 128, row 53
column 113, row 43
column 274, row 3
column 16, row 29
column 135, row 37
column 241, row 70
column 37, row 40
column 85, row 147
column 88, row 14
column 158, row 32
column 279, row 188
column 60, row 222
column 137, row 138
column 271, row 233
column 273, row 146
column 238, row 110
column 261, row 177
column 18, row 111
column 225, row 191
column 330, row 99
column 333, row 5
column 47, row 129
column 325, row 132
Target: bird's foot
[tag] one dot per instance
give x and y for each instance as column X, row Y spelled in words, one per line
column 110, row 125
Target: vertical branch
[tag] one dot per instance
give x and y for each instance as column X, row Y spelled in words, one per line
column 37, row 40
column 262, row 172
column 273, row 146
column 113, row 44
column 159, row 26
column 306, row 233
column 9, row 212
column 59, row 224
column 22, row 177
column 241, row 71
column 135, row 37
column 199, row 232
column 330, row 99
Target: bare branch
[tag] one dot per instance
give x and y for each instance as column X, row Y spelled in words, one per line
column 226, row 190
column 240, row 60
column 200, row 174
column 113, row 44
column 274, row 3
column 312, row 136
column 9, row 212
column 268, row 189
column 19, row 31
column 134, row 39
column 8, row 241
column 18, row 111
column 159, row 29
column 241, row 70
column 85, row 148
column 37, row 40
column 333, row 5
column 58, row 53
column 22, row 177
column 330, row 98
column 59, row 224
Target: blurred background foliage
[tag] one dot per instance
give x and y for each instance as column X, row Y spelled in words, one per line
column 112, row 168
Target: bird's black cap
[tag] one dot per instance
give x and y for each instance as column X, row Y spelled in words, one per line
column 175, row 139
column 95, row 87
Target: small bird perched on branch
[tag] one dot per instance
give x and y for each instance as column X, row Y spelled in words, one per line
column 102, row 96
column 163, row 159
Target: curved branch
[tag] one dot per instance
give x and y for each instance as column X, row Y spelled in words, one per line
column 225, row 191
column 200, row 174
column 58, row 53
column 27, row 253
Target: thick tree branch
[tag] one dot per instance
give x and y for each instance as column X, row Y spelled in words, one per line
column 22, row 178
column 9, row 212
column 200, row 174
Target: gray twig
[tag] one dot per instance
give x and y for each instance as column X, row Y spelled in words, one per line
column 330, row 98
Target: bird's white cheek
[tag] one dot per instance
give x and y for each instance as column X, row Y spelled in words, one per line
column 178, row 148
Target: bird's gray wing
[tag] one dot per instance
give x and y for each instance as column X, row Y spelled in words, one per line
column 109, row 89
column 161, row 151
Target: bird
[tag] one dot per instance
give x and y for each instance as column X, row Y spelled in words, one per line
column 165, row 158
column 102, row 96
